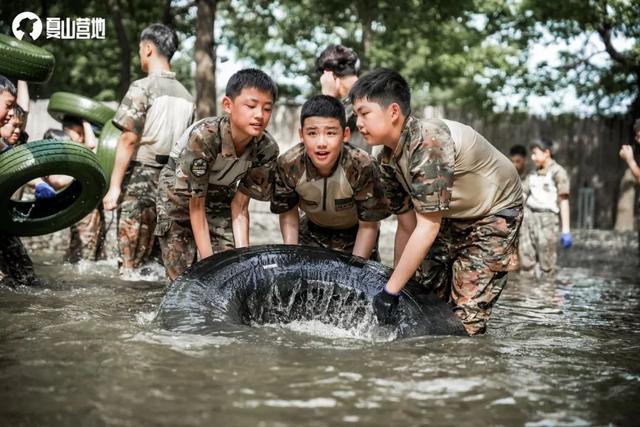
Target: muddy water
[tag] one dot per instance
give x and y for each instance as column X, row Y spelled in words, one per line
column 84, row 351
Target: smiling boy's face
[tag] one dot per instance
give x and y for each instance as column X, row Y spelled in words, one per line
column 323, row 138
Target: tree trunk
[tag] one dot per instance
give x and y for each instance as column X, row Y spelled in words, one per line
column 125, row 48
column 366, row 10
column 205, row 59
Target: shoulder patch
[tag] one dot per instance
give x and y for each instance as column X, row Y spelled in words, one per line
column 199, row 167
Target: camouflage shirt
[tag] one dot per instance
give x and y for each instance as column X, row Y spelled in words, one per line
column 442, row 165
column 209, row 166
column 352, row 192
column 158, row 109
column 544, row 186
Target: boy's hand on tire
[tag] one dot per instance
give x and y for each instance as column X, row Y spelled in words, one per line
column 385, row 306
column 44, row 191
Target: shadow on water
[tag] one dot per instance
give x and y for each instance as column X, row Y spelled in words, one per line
column 86, row 350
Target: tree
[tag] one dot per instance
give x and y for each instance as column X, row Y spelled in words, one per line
column 435, row 45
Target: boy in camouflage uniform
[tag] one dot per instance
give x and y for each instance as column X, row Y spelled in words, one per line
column 335, row 185
column 16, row 268
column 458, row 201
column 213, row 170
column 153, row 114
column 338, row 68
column 547, row 195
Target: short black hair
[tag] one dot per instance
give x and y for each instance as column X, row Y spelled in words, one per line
column 250, row 78
column 68, row 121
column 7, row 86
column 323, row 106
column 340, row 60
column 518, row 150
column 19, row 113
column 636, row 126
column 543, row 144
column 163, row 37
column 383, row 86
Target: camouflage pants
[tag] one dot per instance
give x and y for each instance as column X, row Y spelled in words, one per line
column 87, row 238
column 339, row 240
column 468, row 263
column 539, row 237
column 16, row 268
column 179, row 247
column 137, row 216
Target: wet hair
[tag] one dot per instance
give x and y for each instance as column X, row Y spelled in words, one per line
column 340, row 60
column 518, row 150
column 383, row 86
column 54, row 134
column 163, row 38
column 69, row 121
column 250, row 78
column 543, row 144
column 19, row 115
column 7, row 86
column 323, row 106
column 636, row 126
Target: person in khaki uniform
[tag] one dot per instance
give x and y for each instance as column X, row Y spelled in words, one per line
column 338, row 67
column 457, row 198
column 213, row 170
column 153, row 114
column 547, row 195
column 626, row 154
column 335, row 185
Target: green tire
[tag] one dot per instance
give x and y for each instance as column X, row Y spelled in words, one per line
column 65, row 103
column 25, row 61
column 106, row 150
column 41, row 158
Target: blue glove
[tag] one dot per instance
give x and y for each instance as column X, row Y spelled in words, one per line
column 385, row 306
column 565, row 240
column 44, row 191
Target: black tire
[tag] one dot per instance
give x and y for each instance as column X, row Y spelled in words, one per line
column 25, row 61
column 65, row 103
column 283, row 283
column 106, row 150
column 41, row 158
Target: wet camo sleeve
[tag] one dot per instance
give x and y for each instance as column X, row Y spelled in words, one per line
column 132, row 111
column 258, row 182
column 368, row 192
column 285, row 197
column 399, row 201
column 431, row 168
column 194, row 163
column 561, row 178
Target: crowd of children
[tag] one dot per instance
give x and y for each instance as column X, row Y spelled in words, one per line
column 184, row 187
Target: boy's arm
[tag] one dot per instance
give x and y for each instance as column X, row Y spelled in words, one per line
column 23, row 95
column 126, row 147
column 240, row 219
column 564, row 214
column 366, row 238
column 422, row 237
column 406, row 225
column 290, row 226
column 90, row 140
column 200, row 226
